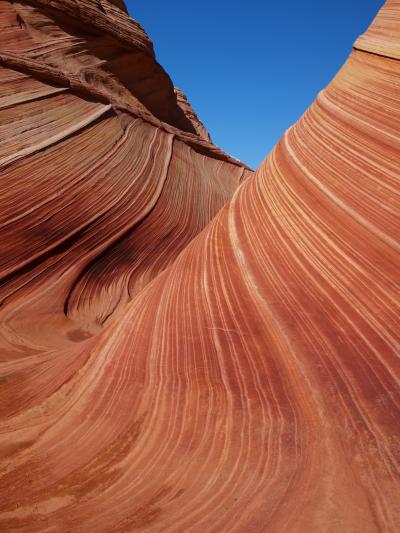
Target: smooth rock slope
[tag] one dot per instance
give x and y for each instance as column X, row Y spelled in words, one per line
column 168, row 365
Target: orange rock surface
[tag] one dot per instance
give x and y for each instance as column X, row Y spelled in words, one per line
column 186, row 345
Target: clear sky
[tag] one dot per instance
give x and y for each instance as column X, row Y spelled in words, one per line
column 250, row 68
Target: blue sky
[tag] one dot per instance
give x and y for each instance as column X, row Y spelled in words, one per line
column 251, row 68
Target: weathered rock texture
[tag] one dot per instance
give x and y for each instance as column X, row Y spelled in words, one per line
column 157, row 377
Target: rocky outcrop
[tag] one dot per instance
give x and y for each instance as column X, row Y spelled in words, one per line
column 96, row 50
column 168, row 365
column 100, row 182
column 191, row 115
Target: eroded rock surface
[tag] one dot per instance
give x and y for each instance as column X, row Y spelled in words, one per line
column 166, row 365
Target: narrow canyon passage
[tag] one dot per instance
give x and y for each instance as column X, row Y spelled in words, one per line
column 186, row 344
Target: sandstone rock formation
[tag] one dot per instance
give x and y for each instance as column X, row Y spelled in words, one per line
column 168, row 365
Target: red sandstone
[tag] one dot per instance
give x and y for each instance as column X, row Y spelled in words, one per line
column 186, row 345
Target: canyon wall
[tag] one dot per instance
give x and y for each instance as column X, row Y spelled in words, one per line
column 186, row 345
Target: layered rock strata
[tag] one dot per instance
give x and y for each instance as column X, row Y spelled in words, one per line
column 168, row 365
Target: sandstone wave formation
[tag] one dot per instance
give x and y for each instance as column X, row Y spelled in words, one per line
column 186, row 345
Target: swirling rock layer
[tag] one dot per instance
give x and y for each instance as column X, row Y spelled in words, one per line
column 168, row 365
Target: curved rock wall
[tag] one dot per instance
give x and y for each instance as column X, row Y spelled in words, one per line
column 158, row 376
